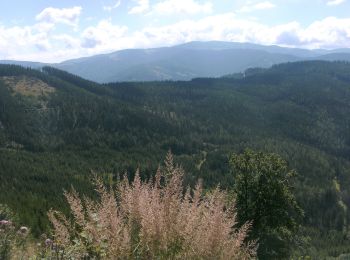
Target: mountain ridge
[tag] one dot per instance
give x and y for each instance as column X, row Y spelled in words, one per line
column 185, row 61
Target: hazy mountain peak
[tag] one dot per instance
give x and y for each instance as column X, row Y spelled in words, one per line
column 186, row 61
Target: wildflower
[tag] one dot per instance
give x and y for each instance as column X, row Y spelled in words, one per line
column 4, row 222
column 23, row 230
column 48, row 242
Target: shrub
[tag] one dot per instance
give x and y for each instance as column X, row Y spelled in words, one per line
column 155, row 219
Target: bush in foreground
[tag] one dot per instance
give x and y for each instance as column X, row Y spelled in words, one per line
column 150, row 220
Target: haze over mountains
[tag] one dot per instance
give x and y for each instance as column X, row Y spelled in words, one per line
column 186, row 61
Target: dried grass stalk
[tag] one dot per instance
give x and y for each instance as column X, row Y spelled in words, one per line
column 152, row 220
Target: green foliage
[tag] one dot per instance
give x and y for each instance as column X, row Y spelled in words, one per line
column 263, row 186
column 12, row 239
column 297, row 110
column 6, row 213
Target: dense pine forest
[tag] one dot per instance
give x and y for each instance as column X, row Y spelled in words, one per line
column 58, row 130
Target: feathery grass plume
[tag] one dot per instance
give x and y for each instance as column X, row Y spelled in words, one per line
column 152, row 220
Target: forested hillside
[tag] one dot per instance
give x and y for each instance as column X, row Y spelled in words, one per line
column 56, row 129
column 184, row 61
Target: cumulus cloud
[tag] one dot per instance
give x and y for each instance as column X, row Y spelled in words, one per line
column 335, row 2
column 41, row 42
column 111, row 7
column 68, row 41
column 258, row 6
column 330, row 32
column 182, row 6
column 103, row 35
column 142, row 6
column 15, row 41
column 169, row 7
column 69, row 16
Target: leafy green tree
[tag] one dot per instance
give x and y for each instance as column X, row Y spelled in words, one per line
column 263, row 186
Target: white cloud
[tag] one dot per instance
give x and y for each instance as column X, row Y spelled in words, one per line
column 68, row 41
column 103, row 36
column 110, row 8
column 328, row 33
column 69, row 16
column 335, row 2
column 16, row 41
column 218, row 27
column 257, row 6
column 182, row 6
column 41, row 42
column 141, row 7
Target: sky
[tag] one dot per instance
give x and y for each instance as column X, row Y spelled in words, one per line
column 57, row 30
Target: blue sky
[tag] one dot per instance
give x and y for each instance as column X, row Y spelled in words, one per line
column 52, row 31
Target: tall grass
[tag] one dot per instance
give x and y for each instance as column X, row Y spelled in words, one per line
column 154, row 219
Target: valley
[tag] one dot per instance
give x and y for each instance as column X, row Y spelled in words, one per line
column 58, row 129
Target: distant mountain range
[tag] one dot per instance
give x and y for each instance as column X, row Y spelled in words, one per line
column 186, row 61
